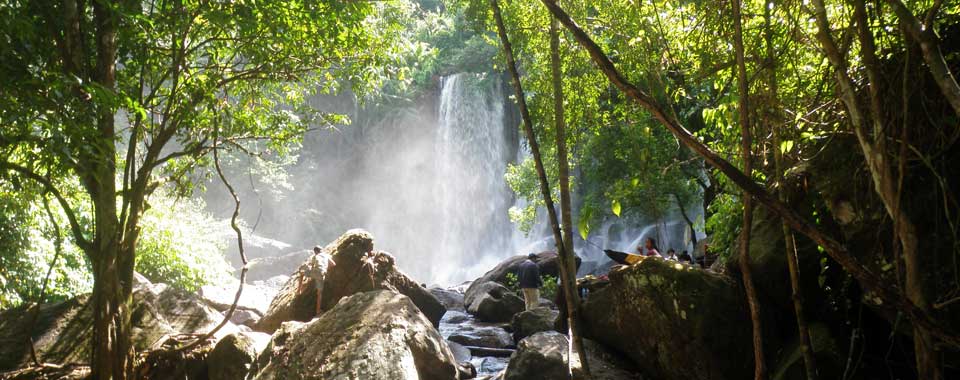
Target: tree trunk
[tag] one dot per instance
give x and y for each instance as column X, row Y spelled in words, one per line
column 568, row 291
column 790, row 245
column 111, row 259
column 926, row 36
column 927, row 360
column 889, row 296
column 568, row 258
column 760, row 368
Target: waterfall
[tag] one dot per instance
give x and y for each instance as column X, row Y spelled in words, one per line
column 470, row 194
column 428, row 181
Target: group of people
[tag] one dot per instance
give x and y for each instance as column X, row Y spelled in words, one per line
column 649, row 249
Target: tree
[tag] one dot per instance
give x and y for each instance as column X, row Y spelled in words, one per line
column 774, row 119
column 566, row 258
column 743, row 86
column 159, row 76
column 868, row 280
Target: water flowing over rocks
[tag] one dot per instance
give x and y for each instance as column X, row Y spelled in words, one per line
column 373, row 335
column 358, row 269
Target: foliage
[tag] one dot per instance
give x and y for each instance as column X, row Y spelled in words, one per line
column 548, row 290
column 182, row 245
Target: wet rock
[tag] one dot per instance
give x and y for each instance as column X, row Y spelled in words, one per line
column 492, row 337
column 660, row 314
column 358, row 269
column 373, row 335
column 233, row 355
column 451, row 299
column 539, row 356
column 461, row 353
column 493, row 302
column 530, row 322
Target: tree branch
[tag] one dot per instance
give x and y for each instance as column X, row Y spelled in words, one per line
column 75, row 227
column 833, row 247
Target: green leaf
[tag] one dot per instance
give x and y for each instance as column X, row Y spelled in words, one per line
column 615, row 207
column 786, row 146
column 584, row 227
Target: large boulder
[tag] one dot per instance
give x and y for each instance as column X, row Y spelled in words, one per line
column 451, row 299
column 539, row 356
column 493, row 302
column 660, row 314
column 530, row 322
column 358, row 269
column 373, row 335
column 233, row 355
column 62, row 330
column 548, row 262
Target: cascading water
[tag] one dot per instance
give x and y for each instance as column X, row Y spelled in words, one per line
column 472, row 199
column 428, row 181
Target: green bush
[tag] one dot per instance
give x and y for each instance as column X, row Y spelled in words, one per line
column 181, row 245
column 548, row 290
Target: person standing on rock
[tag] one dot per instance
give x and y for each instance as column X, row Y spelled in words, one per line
column 316, row 270
column 529, row 280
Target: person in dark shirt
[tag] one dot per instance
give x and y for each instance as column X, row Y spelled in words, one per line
column 528, row 277
column 685, row 258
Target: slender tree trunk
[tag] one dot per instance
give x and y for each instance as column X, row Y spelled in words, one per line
column 875, row 155
column 889, row 296
column 568, row 261
column 927, row 360
column 926, row 36
column 568, row 290
column 789, row 240
column 760, row 368
column 112, row 263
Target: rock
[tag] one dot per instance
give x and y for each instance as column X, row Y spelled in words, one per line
column 608, row 365
column 63, row 330
column 244, row 317
column 373, row 335
column 264, row 268
column 830, row 355
column 768, row 263
column 493, row 302
column 539, row 356
column 530, row 322
column 547, row 261
column 358, row 269
column 461, row 353
column 233, row 355
column 451, row 299
column 661, row 314
column 255, row 298
column 492, row 337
